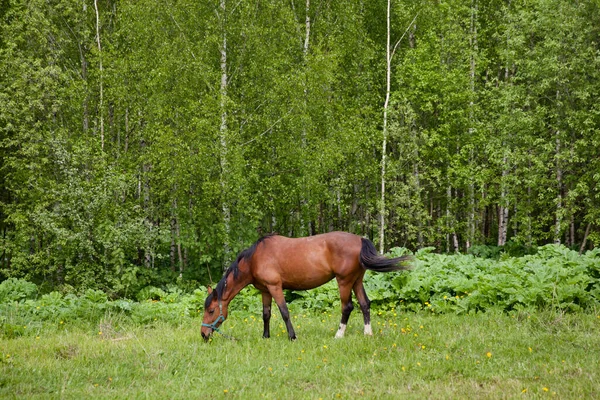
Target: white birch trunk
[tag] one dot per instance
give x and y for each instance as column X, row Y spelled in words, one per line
column 304, row 201
column 389, row 54
column 503, row 209
column 418, row 190
column 473, row 42
column 223, row 135
column 450, row 221
column 307, row 30
column 559, row 199
column 100, row 106
column 388, row 74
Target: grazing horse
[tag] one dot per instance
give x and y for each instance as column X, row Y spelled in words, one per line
column 275, row 263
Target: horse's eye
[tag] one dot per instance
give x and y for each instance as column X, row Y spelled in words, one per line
column 211, row 311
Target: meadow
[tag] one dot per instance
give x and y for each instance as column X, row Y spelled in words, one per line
column 413, row 355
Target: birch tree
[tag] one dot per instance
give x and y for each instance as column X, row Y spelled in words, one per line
column 101, row 72
column 224, row 150
column 389, row 54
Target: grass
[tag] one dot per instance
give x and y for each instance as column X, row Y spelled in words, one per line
column 491, row 355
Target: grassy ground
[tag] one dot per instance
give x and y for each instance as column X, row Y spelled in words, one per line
column 411, row 355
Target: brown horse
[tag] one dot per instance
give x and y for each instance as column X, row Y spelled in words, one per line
column 275, row 263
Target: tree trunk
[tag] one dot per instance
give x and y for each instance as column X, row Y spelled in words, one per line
column 502, row 221
column 388, row 75
column 572, row 231
column 173, row 244
column 4, row 257
column 559, row 185
column 529, row 218
column 176, row 242
column 389, row 53
column 307, row 31
column 585, row 236
column 126, row 130
column 100, row 106
column 418, row 190
column 86, row 113
column 223, row 136
column 473, row 43
column 84, row 65
column 503, row 207
column 305, row 226
column 451, row 235
column 179, row 252
column 144, row 195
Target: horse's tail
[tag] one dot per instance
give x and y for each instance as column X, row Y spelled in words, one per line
column 370, row 259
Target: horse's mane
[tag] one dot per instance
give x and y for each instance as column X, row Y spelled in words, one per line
column 234, row 269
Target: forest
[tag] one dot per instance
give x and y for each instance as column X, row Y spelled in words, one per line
column 147, row 142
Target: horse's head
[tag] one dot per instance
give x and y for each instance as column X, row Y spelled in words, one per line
column 215, row 312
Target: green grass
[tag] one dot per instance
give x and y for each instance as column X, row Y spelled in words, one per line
column 491, row 355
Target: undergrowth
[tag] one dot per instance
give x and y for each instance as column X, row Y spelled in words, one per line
column 554, row 278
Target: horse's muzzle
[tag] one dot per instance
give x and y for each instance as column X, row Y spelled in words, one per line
column 206, row 336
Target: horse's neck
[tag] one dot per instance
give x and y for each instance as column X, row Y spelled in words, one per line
column 234, row 286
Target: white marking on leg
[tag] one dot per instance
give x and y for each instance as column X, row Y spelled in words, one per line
column 368, row 330
column 340, row 332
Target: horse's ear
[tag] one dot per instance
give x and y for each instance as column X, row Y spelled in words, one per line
column 209, row 289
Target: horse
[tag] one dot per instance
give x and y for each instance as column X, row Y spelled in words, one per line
column 274, row 263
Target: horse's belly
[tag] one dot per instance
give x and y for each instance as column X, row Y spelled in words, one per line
column 306, row 283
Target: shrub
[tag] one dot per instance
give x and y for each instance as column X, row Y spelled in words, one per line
column 555, row 277
column 19, row 290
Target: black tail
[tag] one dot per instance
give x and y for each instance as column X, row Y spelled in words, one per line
column 370, row 259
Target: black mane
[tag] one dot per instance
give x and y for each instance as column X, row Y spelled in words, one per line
column 234, row 268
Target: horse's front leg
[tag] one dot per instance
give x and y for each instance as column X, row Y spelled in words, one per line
column 277, row 293
column 266, row 301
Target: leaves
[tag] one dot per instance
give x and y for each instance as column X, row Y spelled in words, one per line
column 493, row 107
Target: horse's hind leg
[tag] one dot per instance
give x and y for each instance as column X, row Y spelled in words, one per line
column 365, row 304
column 266, row 301
column 277, row 293
column 347, row 307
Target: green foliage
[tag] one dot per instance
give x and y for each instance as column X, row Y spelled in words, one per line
column 554, row 278
column 484, row 251
column 326, row 297
column 18, row 290
column 125, row 165
column 512, row 249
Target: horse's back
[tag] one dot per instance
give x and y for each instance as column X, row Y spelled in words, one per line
column 308, row 262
